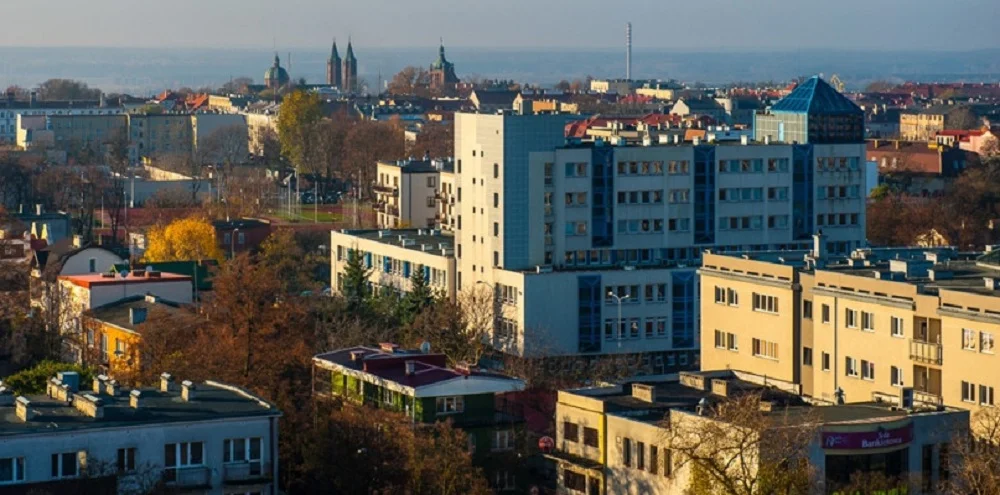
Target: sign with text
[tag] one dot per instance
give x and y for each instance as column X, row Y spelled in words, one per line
column 878, row 439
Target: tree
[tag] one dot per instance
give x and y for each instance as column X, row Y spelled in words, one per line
column 67, row 89
column 563, row 86
column 117, row 159
column 978, row 473
column 33, row 380
column 436, row 140
column 300, row 110
column 356, row 288
column 880, row 86
column 239, row 86
column 737, row 448
column 191, row 238
column 226, row 146
column 963, row 118
column 417, row 299
column 411, row 81
column 329, row 138
column 282, row 253
column 370, row 142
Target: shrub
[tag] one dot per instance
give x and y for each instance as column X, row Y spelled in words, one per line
column 32, row 380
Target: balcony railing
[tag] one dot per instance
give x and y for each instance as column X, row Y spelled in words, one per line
column 926, row 352
column 194, row 476
column 246, row 472
column 384, row 189
column 928, row 398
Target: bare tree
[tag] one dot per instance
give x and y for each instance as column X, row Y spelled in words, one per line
column 979, row 452
column 739, row 447
column 225, row 146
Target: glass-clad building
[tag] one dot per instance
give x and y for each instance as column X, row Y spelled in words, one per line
column 813, row 113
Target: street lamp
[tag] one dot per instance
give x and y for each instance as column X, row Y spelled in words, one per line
column 619, row 299
column 232, row 243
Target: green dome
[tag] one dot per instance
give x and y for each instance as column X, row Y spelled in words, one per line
column 276, row 74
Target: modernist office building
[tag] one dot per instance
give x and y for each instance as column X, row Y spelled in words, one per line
column 555, row 226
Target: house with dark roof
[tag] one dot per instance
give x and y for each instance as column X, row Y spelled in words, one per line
column 421, row 385
column 241, row 235
column 487, row 101
column 699, row 107
column 114, row 330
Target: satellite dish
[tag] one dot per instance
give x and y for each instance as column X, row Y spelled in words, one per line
column 425, row 347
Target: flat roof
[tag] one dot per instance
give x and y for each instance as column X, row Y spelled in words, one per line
column 213, row 401
column 91, row 279
column 433, row 238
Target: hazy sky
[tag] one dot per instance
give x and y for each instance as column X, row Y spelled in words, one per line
column 692, row 24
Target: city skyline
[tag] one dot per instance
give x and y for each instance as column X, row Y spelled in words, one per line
column 709, row 25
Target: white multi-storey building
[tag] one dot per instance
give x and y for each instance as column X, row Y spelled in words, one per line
column 78, row 438
column 591, row 248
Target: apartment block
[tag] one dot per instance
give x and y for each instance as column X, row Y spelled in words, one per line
column 592, row 248
column 877, row 324
column 421, row 385
column 407, row 192
column 392, row 256
column 617, row 439
column 100, row 437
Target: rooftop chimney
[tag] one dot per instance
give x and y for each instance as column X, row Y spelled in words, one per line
column 99, row 383
column 188, row 390
column 166, row 382
column 819, row 246
column 411, row 367
column 39, row 208
column 32, row 98
column 644, row 392
column 22, row 408
column 134, row 398
column 89, row 405
column 111, row 388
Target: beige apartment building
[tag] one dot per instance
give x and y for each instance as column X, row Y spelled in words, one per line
column 877, row 324
column 407, row 192
column 73, row 131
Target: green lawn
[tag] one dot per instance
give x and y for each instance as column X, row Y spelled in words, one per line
column 308, row 216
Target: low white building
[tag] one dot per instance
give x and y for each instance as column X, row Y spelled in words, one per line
column 209, row 436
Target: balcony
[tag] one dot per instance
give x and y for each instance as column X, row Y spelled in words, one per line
column 928, row 398
column 246, row 473
column 188, row 477
column 926, row 352
column 379, row 188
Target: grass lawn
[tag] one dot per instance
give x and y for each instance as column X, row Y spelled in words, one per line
column 307, row 216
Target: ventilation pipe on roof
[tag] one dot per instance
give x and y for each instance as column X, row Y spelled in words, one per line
column 411, row 367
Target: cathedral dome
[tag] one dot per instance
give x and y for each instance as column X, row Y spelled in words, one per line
column 276, row 75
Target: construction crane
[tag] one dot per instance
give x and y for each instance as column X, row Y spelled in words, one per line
column 837, row 83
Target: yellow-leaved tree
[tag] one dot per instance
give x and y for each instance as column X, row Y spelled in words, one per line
column 191, row 238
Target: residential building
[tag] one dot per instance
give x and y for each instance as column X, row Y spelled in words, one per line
column 739, row 111
column 705, row 107
column 113, row 331
column 930, row 167
column 160, row 134
column 394, row 255
column 262, row 127
column 591, row 249
column 920, row 321
column 616, row 439
column 422, row 386
column 77, row 438
column 616, row 86
column 217, row 137
column 406, row 192
column 11, row 110
column 976, row 141
column 74, row 131
column 882, row 123
column 241, row 235
column 660, row 90
column 923, row 124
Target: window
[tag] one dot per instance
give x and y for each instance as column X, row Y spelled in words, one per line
column 765, row 303
column 668, row 463
column 807, row 356
column 503, row 440
column 496, row 173
column 851, row 318
column 731, row 342
column 720, row 339
column 968, row 392
column 825, row 316
column 985, row 395
column 654, row 460
column 765, row 349
column 944, row 462
column 640, row 458
column 897, row 326
column 627, row 452
column 504, row 481
column 180, row 455
column 720, row 295
column 66, row 465
column 590, row 437
column 867, row 370
column 126, row 460
column 571, row 432
column 575, row 482
column 851, row 367
column 896, row 376
column 576, row 228
column 431, row 202
column 11, row 470
column 92, row 265
column 243, row 450
column 732, row 298
column 986, row 342
column 826, row 361
column 867, row 321
column 496, row 229
column 656, row 292
column 450, row 405
column 968, row 339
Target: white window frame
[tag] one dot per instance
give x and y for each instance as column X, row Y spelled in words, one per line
column 763, row 303
column 17, row 469
column 851, row 367
column 129, row 456
column 897, row 328
column 59, row 458
column 969, row 339
column 229, row 451
column 986, row 342
column 177, row 457
column 851, row 318
column 454, row 404
column 968, row 392
column 503, row 440
column 985, row 395
column 867, row 321
column 896, row 378
column 867, row 370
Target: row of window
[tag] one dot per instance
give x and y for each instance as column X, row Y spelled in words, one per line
column 634, row 455
column 640, row 197
column 641, row 226
column 611, row 256
column 969, row 394
column 764, row 349
column 727, row 296
column 632, row 328
column 833, row 192
column 175, row 455
column 726, row 340
column 630, row 294
column 835, row 219
column 649, row 168
column 970, row 341
column 571, row 433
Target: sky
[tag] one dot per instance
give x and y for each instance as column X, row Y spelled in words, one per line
column 660, row 24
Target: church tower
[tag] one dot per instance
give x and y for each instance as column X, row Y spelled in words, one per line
column 349, row 76
column 333, row 67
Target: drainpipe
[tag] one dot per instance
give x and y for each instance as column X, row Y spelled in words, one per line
column 836, row 345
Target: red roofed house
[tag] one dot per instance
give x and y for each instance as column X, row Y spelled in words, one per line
column 973, row 141
column 422, row 386
column 930, row 166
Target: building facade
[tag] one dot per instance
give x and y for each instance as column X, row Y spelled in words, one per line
column 349, row 71
column 618, row 440
column 442, row 73
column 871, row 325
column 393, row 256
column 407, row 192
column 333, row 67
column 209, row 437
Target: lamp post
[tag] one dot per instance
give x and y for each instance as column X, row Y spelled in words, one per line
column 619, row 300
column 232, row 243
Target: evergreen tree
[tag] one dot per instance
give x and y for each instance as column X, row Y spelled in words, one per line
column 356, row 286
column 417, row 299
